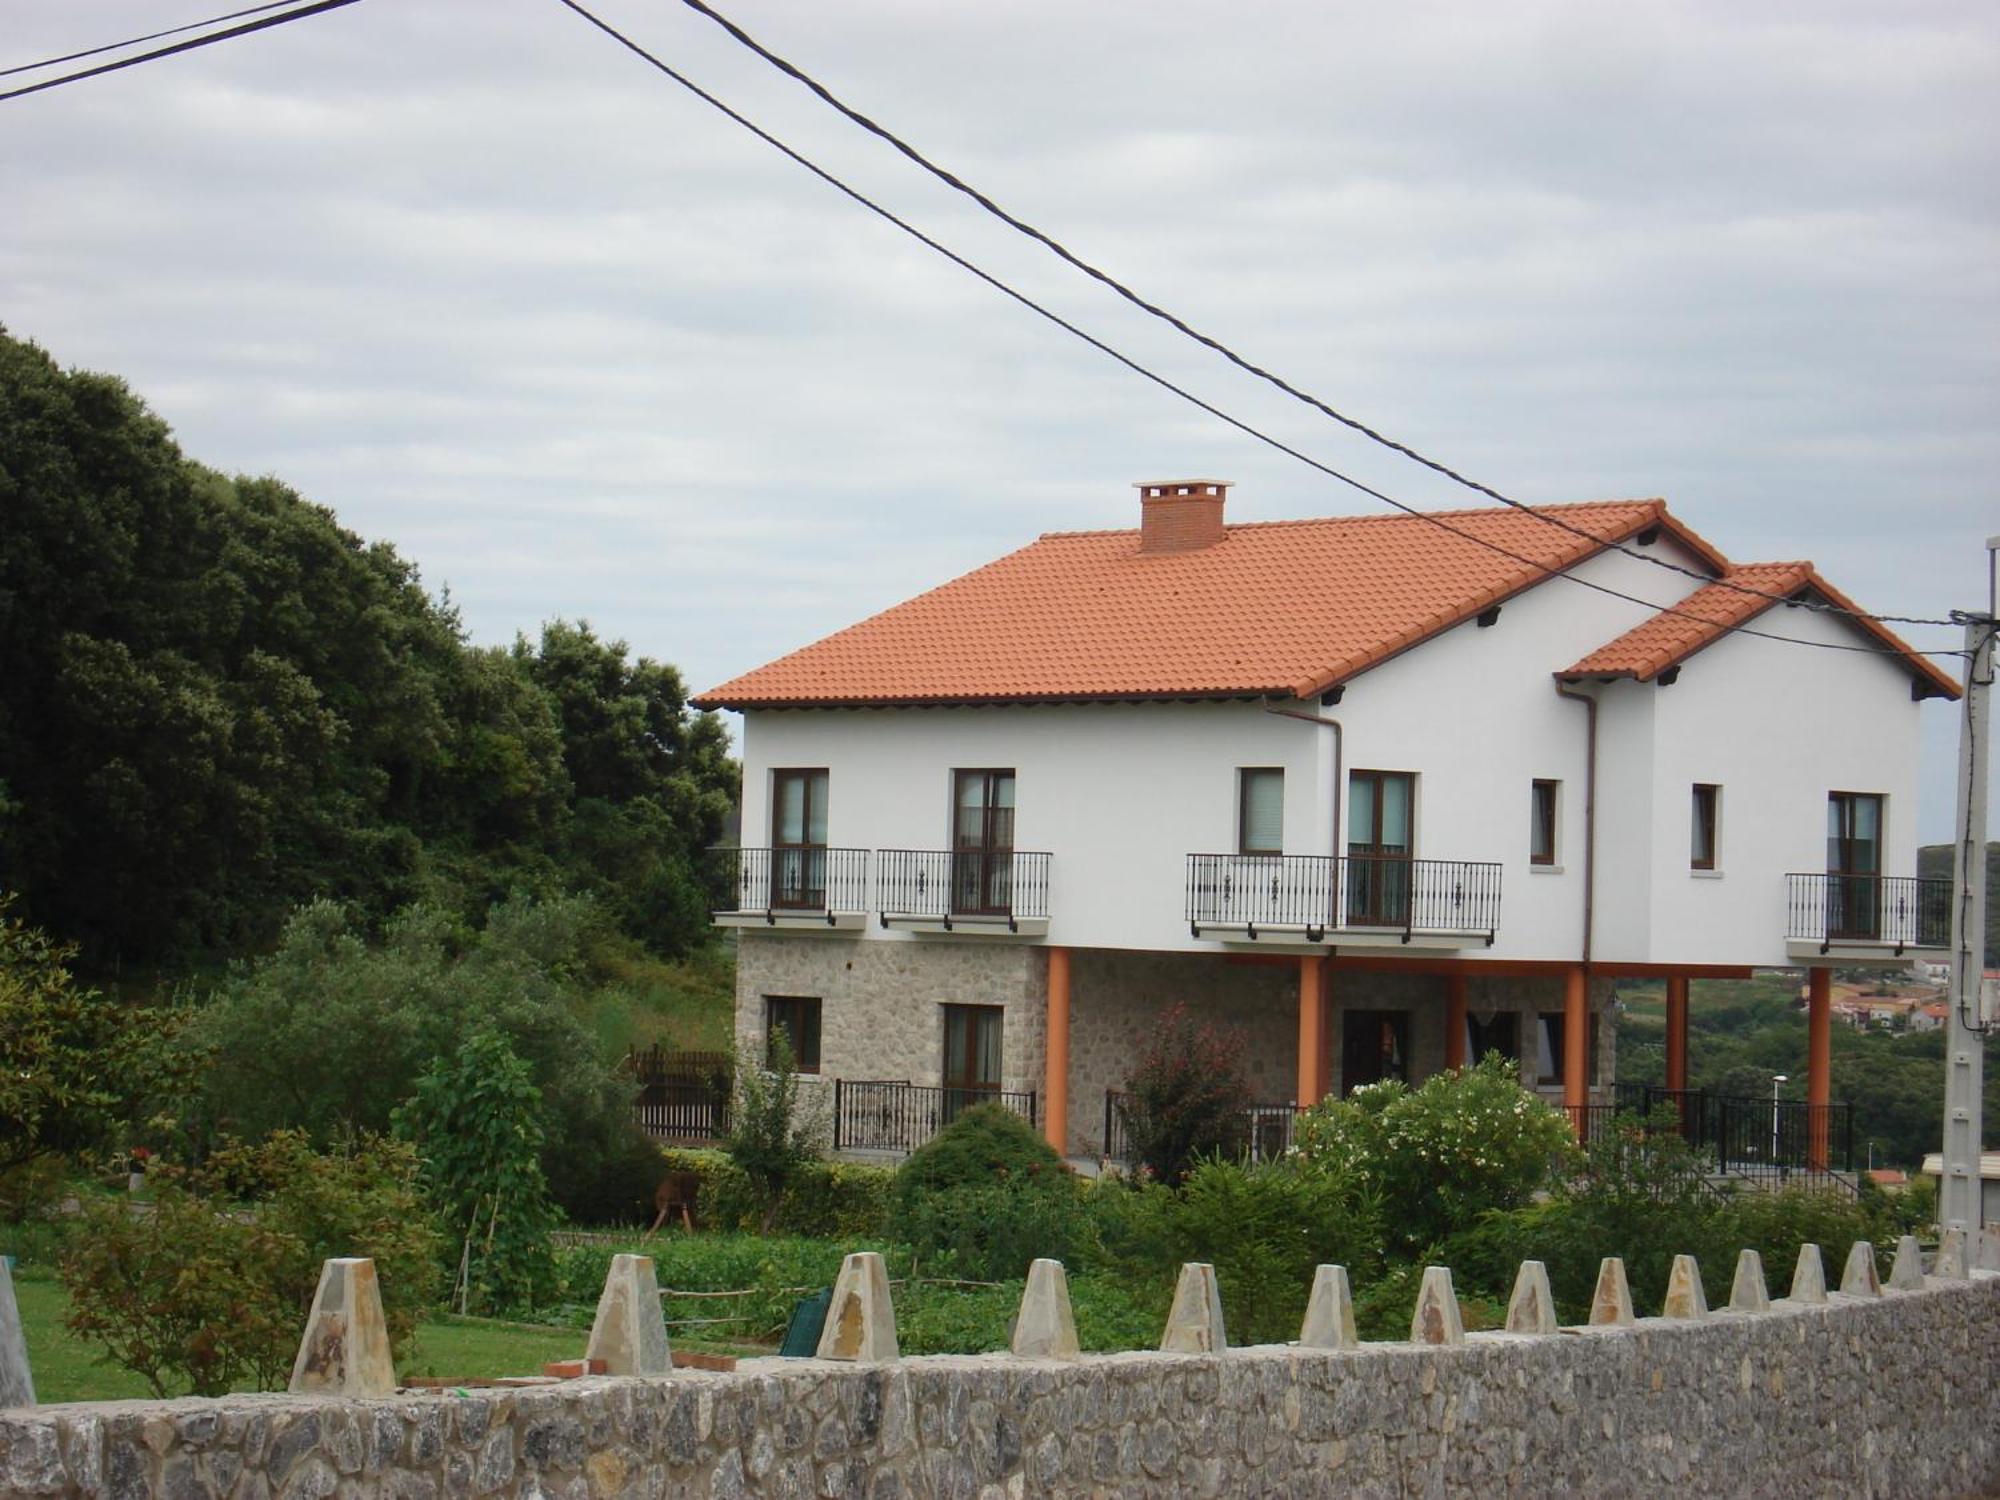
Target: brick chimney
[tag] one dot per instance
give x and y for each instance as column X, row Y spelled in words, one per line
column 1181, row 515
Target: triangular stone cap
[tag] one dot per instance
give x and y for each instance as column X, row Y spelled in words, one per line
column 1329, row 1321
column 630, row 1333
column 1685, row 1297
column 345, row 1351
column 17, row 1383
column 1951, row 1258
column 1809, row 1276
column 1907, row 1274
column 1861, row 1278
column 1045, row 1328
column 1194, row 1326
column 1436, row 1319
column 1749, row 1293
column 1611, row 1303
column 1989, row 1249
column 1532, row 1308
column 860, row 1319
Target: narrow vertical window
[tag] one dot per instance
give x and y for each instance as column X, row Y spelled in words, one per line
column 1260, row 813
column 798, row 838
column 796, row 1019
column 1542, row 823
column 1701, row 836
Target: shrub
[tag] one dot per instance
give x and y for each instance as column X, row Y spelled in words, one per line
column 477, row 1122
column 1464, row 1143
column 773, row 1130
column 212, row 1289
column 827, row 1199
column 1186, row 1097
column 987, row 1195
column 987, row 1143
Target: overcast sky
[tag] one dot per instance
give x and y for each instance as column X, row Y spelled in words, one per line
column 495, row 291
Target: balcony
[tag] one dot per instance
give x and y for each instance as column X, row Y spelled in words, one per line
column 1865, row 916
column 790, row 887
column 964, row 890
column 1358, row 901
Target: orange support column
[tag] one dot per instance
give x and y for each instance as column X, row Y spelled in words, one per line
column 1819, row 1064
column 1454, row 1021
column 1055, row 1053
column 1677, row 1032
column 1576, row 1048
column 1312, row 1030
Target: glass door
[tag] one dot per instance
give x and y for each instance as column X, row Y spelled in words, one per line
column 1379, row 844
column 798, row 839
column 982, row 843
column 1854, row 865
column 972, row 1056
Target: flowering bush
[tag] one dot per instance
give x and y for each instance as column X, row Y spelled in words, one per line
column 1441, row 1155
column 1185, row 1099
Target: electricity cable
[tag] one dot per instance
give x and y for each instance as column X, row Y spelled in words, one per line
column 1434, row 519
column 151, row 36
column 1062, row 252
column 261, row 24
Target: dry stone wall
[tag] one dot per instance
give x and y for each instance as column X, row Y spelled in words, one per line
column 1870, row 1397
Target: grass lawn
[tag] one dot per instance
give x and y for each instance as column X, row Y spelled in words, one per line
column 67, row 1368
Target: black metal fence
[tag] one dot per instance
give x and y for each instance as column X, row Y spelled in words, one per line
column 942, row 884
column 890, row 1115
column 1901, row 910
column 794, row 881
column 1314, row 893
column 1779, row 1140
column 1267, row 1129
column 682, row 1096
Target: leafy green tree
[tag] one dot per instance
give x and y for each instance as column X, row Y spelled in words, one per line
column 774, row 1130
column 476, row 1121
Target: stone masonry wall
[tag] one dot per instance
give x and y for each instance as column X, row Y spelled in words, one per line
column 1873, row 1398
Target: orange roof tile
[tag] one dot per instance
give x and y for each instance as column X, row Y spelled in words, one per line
column 1675, row 634
column 1282, row 607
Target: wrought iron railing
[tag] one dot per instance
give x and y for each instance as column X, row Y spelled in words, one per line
column 681, row 1096
column 890, row 1115
column 1900, row 910
column 1315, row 893
column 1267, row 1128
column 973, row 885
column 1781, row 1140
column 790, row 881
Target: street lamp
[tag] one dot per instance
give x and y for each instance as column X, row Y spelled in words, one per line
column 1777, row 1079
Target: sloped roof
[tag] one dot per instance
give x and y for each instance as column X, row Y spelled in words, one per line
column 1743, row 593
column 1282, row 608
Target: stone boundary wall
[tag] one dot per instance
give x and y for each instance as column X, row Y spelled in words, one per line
column 1873, row 1397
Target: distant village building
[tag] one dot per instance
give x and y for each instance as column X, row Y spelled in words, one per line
column 1378, row 795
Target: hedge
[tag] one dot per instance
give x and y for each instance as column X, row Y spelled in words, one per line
column 826, row 1200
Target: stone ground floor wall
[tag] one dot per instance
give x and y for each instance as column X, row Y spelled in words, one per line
column 1879, row 1398
column 882, row 1010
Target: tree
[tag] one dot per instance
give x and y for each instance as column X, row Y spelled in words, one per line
column 1186, row 1097
column 772, row 1131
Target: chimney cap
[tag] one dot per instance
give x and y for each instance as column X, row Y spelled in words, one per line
column 1182, row 486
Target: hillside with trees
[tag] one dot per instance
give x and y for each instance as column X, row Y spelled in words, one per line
column 1934, row 863
column 218, row 704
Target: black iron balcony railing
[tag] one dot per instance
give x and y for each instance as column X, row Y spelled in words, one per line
column 1315, row 893
column 1901, row 911
column 1747, row 1136
column 974, row 885
column 1267, row 1128
column 793, row 881
column 888, row 1115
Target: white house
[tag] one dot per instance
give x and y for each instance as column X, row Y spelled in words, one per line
column 1385, row 792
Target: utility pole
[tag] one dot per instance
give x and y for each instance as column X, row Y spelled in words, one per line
column 1960, row 1202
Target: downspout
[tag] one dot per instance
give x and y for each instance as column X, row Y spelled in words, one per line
column 1589, row 703
column 1339, row 738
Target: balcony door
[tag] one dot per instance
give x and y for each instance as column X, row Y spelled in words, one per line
column 1854, row 865
column 982, row 842
column 1380, row 822
column 972, row 1056
column 798, row 839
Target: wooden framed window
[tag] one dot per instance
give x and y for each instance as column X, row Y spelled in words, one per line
column 1542, row 822
column 1854, row 865
column 974, row 1054
column 1499, row 1032
column 982, row 841
column 796, row 1019
column 1706, row 809
column 1549, row 1026
column 1381, row 837
column 798, row 838
column 1260, row 810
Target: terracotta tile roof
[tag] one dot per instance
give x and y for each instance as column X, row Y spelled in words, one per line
column 1284, row 607
column 1672, row 636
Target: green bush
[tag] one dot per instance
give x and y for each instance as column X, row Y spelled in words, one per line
column 1439, row 1156
column 1186, row 1096
column 828, row 1199
column 985, row 1144
column 212, row 1289
column 774, row 1130
column 985, row 1196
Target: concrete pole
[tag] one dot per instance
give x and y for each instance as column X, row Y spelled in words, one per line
column 1819, row 1066
column 1959, row 1202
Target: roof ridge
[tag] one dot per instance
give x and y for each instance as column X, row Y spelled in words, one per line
column 1376, row 517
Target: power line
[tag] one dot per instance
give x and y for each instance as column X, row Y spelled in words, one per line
column 1062, row 252
column 133, row 41
column 1184, row 394
column 188, row 46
